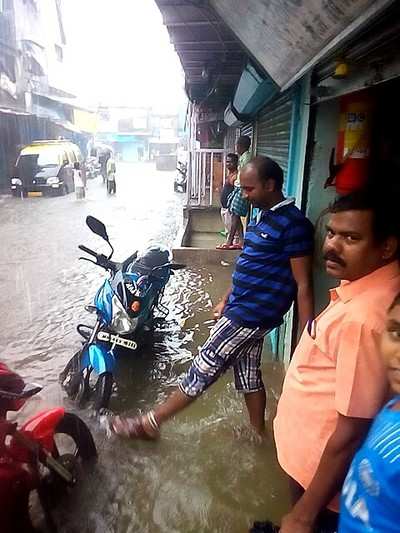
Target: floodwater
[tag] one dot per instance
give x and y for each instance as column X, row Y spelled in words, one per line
column 208, row 473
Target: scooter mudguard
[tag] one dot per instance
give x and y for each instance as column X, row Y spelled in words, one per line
column 42, row 426
column 99, row 358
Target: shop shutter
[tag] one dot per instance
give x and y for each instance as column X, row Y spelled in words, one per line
column 230, row 139
column 247, row 129
column 273, row 130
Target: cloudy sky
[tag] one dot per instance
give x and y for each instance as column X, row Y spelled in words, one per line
column 120, row 54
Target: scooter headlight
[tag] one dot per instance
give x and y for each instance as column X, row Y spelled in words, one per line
column 16, row 181
column 121, row 322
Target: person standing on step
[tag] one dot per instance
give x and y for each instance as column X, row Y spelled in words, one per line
column 232, row 171
column 238, row 205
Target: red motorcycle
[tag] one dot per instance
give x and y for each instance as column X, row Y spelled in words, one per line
column 46, row 454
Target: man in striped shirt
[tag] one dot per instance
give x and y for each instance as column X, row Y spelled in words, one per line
column 273, row 270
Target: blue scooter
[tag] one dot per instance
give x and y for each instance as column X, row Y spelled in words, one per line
column 124, row 307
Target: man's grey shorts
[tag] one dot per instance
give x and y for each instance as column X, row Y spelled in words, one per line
column 229, row 345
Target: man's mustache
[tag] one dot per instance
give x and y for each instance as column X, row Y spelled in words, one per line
column 331, row 256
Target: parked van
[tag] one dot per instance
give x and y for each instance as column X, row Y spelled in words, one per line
column 45, row 167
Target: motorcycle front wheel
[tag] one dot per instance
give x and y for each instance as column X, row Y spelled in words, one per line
column 79, row 435
column 73, row 381
column 103, row 391
column 74, row 448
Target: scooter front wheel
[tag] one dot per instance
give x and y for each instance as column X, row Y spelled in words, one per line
column 74, row 448
column 77, row 430
column 103, row 391
column 74, row 382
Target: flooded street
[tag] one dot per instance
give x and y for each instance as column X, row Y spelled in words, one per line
column 208, row 473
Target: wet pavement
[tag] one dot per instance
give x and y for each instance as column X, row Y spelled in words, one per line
column 208, row 473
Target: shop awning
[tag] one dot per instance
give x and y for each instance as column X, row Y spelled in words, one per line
column 212, row 57
column 289, row 38
column 253, row 91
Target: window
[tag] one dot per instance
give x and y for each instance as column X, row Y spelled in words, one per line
column 59, row 52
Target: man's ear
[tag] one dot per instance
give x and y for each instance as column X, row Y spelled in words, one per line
column 390, row 248
column 270, row 185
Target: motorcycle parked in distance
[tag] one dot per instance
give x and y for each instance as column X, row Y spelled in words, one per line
column 180, row 177
column 124, row 307
column 32, row 458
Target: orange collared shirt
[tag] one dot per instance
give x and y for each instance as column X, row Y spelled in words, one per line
column 336, row 368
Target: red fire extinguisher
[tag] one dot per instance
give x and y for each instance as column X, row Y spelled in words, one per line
column 350, row 170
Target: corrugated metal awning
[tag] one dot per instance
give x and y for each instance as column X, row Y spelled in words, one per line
column 288, row 38
column 211, row 55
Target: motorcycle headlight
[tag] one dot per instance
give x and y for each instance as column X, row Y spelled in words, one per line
column 121, row 322
column 53, row 181
column 16, row 181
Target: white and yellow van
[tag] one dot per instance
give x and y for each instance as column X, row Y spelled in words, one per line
column 45, row 167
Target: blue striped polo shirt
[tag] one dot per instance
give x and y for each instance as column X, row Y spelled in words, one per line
column 263, row 286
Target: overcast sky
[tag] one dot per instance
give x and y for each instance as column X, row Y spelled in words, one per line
column 121, row 54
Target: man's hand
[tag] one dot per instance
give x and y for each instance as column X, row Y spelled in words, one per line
column 219, row 309
column 293, row 524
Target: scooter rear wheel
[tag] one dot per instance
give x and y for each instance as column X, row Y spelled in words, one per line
column 103, row 391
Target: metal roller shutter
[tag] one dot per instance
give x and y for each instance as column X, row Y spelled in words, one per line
column 273, row 130
column 230, row 139
column 247, row 129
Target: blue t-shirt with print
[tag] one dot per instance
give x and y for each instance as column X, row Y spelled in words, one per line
column 370, row 498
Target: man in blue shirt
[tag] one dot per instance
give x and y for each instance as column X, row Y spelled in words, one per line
column 273, row 270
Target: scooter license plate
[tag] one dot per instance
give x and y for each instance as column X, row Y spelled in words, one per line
column 116, row 340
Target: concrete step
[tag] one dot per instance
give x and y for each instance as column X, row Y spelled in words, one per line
column 204, row 256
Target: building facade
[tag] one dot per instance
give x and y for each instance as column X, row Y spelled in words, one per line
column 138, row 133
column 35, row 98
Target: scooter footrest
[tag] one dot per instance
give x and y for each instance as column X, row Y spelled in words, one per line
column 116, row 340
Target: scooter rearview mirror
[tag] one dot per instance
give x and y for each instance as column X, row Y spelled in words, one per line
column 97, row 227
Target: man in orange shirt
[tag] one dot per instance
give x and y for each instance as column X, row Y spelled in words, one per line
column 336, row 383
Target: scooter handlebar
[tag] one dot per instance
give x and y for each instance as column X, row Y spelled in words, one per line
column 101, row 260
column 87, row 250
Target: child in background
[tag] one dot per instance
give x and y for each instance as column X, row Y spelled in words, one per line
column 237, row 204
column 231, row 166
column 111, row 169
column 371, row 491
column 78, row 181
